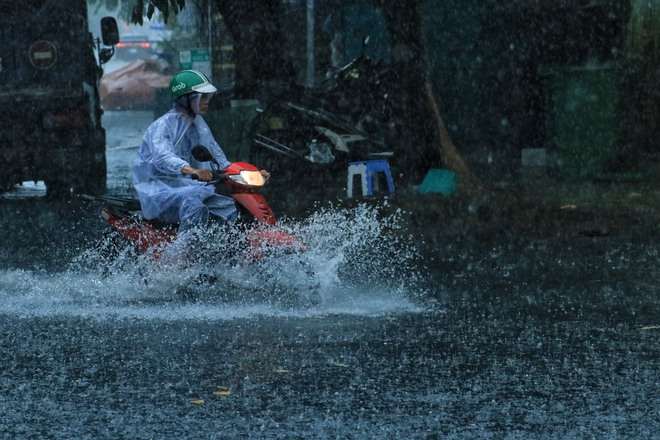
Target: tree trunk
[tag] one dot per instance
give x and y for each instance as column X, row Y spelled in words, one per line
column 426, row 131
column 258, row 43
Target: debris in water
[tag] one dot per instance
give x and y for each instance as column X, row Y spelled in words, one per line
column 222, row 391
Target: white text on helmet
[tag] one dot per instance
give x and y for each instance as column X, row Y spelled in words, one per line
column 179, row 86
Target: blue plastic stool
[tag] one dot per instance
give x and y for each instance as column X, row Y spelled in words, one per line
column 368, row 170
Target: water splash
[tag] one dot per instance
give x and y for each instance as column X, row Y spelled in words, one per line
column 357, row 262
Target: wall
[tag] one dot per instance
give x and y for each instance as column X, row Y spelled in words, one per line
column 491, row 65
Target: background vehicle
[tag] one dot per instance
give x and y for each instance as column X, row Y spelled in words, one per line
column 134, row 47
column 349, row 117
column 50, row 113
column 363, row 92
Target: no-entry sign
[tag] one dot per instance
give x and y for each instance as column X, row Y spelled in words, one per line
column 43, row 54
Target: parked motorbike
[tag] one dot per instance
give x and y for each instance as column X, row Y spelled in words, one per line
column 350, row 117
column 363, row 91
column 240, row 181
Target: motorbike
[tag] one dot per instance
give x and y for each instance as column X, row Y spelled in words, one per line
column 240, row 181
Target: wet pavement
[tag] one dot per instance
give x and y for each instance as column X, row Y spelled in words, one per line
column 532, row 337
column 453, row 374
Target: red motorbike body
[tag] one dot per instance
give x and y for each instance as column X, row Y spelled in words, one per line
column 246, row 195
column 243, row 180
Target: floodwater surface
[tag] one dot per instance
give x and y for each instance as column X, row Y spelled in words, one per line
column 365, row 335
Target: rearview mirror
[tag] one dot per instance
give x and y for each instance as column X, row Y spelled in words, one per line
column 109, row 31
column 202, row 154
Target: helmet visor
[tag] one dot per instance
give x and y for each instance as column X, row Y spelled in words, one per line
column 205, row 88
column 199, row 102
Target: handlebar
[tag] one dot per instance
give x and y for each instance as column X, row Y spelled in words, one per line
column 218, row 176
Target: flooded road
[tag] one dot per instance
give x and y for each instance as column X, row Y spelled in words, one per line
column 418, row 375
column 402, row 341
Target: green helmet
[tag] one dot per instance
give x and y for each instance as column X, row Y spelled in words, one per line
column 188, row 81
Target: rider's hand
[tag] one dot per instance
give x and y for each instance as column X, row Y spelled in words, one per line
column 203, row 174
column 266, row 175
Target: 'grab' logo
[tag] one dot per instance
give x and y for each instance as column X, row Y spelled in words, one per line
column 177, row 87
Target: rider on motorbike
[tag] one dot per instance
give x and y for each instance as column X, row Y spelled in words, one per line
column 164, row 168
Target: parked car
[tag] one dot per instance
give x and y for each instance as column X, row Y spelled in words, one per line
column 133, row 47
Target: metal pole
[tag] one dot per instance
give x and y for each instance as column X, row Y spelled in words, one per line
column 310, row 44
column 210, row 39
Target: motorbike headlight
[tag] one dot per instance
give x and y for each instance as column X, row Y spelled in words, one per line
column 249, row 178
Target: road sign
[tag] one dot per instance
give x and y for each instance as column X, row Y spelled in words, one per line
column 43, row 54
column 197, row 59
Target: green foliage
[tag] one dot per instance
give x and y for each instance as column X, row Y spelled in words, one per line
column 110, row 5
column 164, row 6
column 136, row 10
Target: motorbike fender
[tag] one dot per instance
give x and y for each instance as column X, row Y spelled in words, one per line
column 257, row 205
column 143, row 236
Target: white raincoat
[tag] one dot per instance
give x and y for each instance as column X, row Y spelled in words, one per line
column 164, row 192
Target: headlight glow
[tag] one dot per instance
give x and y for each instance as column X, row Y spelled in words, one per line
column 250, row 178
